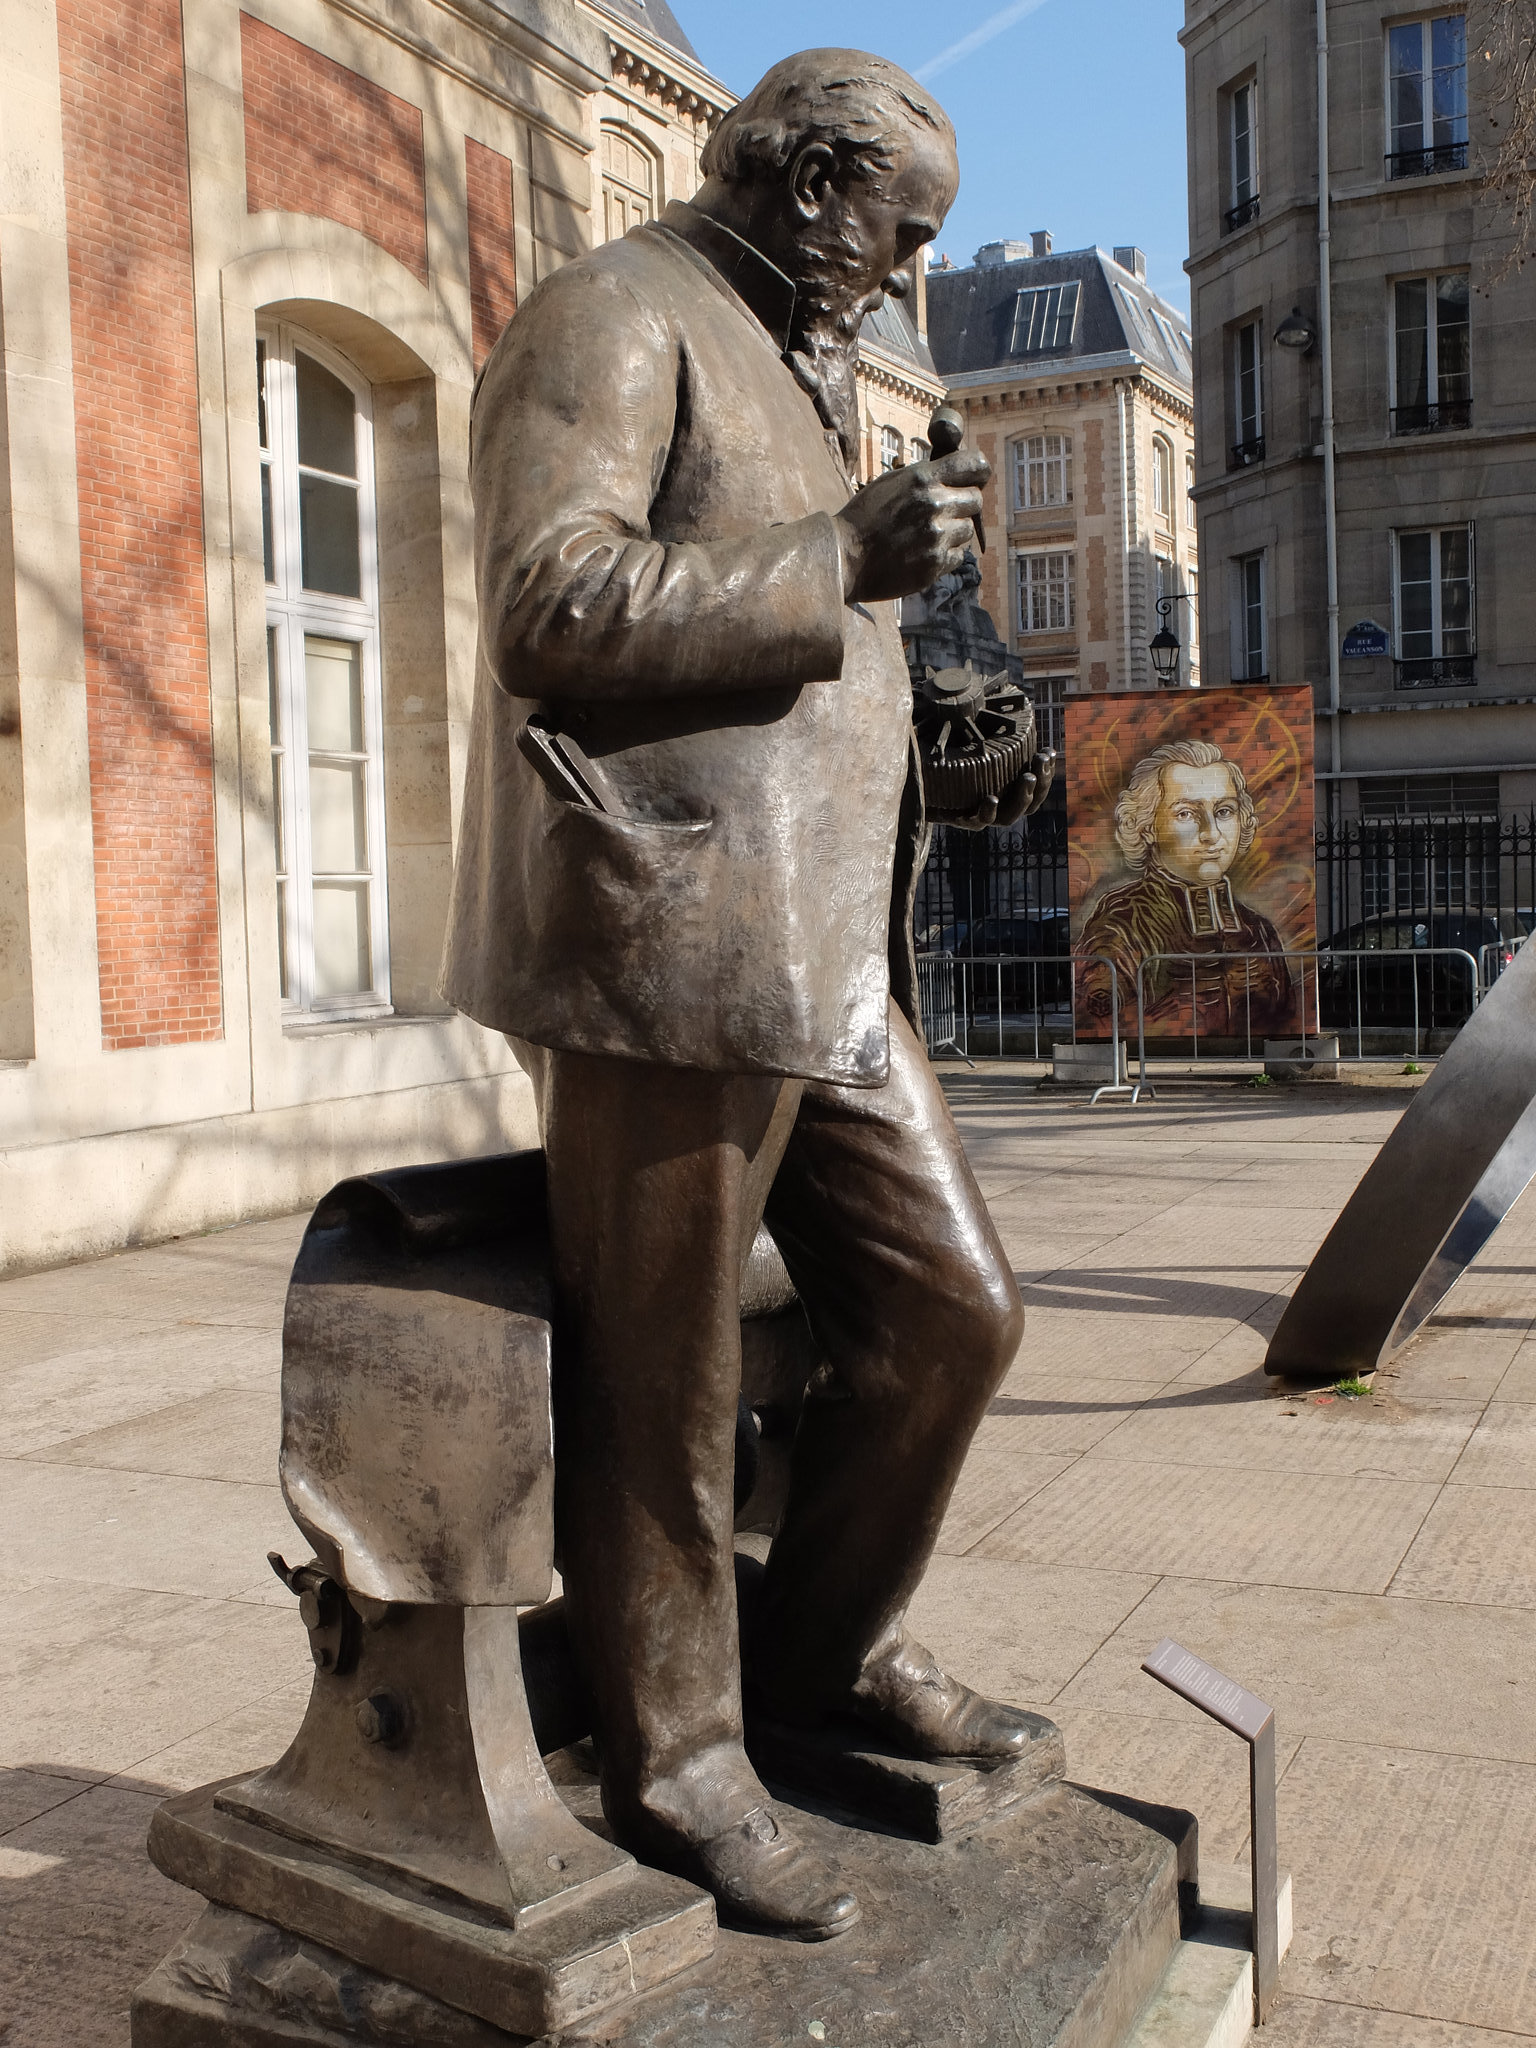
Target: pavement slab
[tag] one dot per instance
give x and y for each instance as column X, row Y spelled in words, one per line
column 1342, row 1665
column 1478, row 1543
column 1501, row 1451
column 1376, row 1924
column 86, row 1918
column 1275, row 1528
column 1322, row 2023
column 230, row 1434
column 1019, row 1637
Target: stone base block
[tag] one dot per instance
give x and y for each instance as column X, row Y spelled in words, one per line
column 1302, row 1059
column 1089, row 1065
column 1055, row 1926
column 635, row 1931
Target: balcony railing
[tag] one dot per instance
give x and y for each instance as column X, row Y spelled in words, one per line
column 1239, row 216
column 1438, row 672
column 1246, row 453
column 1424, row 163
column 1443, row 418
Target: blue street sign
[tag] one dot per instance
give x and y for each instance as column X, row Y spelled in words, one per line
column 1366, row 642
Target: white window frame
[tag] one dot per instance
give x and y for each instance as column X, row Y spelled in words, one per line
column 1034, row 577
column 1192, row 581
column 294, row 613
column 1136, row 314
column 1425, row 24
column 1246, row 92
column 1037, row 462
column 1243, row 613
column 637, row 203
column 1437, row 536
column 1240, row 420
column 893, row 450
column 1430, row 279
column 1165, row 329
column 1045, row 318
column 1162, row 478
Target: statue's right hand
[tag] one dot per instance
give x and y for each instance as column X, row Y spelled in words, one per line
column 910, row 527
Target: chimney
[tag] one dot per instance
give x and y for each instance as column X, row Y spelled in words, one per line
column 1040, row 242
column 993, row 255
column 1134, row 261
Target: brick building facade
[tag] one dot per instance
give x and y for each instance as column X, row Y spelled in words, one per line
column 1075, row 380
column 251, row 256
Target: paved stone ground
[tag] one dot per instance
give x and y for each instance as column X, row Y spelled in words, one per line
column 1368, row 1566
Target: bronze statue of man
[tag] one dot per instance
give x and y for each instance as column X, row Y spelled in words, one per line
column 674, row 893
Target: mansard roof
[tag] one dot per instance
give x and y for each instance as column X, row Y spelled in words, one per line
column 1049, row 312
column 657, row 21
column 891, row 327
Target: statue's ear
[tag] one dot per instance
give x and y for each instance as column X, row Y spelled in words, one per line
column 811, row 178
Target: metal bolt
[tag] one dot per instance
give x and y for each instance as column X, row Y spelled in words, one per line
column 381, row 1718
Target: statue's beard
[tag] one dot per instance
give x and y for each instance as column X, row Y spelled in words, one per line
column 833, row 295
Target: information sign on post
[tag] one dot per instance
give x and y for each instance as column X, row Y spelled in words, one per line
column 1250, row 1717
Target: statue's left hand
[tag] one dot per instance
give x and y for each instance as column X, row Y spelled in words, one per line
column 1021, row 799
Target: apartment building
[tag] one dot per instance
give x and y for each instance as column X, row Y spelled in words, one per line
column 1074, row 379
column 1414, row 509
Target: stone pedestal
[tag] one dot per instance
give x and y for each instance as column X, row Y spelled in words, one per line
column 1052, row 1926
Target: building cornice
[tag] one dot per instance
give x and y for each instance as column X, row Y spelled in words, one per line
column 900, row 377
column 667, row 78
column 1116, row 366
column 1085, row 377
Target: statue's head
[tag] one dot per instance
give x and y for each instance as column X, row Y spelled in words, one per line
column 839, row 167
column 1186, row 808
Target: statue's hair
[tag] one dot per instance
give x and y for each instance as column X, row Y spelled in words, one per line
column 846, row 100
column 1136, row 812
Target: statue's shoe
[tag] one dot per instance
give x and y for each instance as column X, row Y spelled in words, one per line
column 906, row 1697
column 766, row 1882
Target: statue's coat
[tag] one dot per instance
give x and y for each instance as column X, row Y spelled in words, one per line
column 659, row 570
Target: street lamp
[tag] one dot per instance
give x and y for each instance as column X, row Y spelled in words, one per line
column 1296, row 333
column 1166, row 645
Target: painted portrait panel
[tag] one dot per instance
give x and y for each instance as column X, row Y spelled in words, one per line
column 1190, row 826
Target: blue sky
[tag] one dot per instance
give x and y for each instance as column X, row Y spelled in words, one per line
column 1070, row 112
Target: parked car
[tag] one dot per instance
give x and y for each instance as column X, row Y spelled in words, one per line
column 1385, row 992
column 1022, row 958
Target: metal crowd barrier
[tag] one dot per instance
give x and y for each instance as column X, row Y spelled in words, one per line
column 1311, row 989
column 946, row 990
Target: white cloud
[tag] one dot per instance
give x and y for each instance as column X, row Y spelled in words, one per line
column 994, row 25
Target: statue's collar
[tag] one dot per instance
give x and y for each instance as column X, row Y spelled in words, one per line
column 760, row 285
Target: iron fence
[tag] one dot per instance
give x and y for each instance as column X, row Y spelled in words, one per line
column 1430, row 885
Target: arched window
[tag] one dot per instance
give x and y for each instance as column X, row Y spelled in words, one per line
column 629, row 184
column 1042, row 472
column 321, row 570
column 892, row 448
column 1162, row 479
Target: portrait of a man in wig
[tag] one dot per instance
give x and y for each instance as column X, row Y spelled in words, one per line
column 1184, row 819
